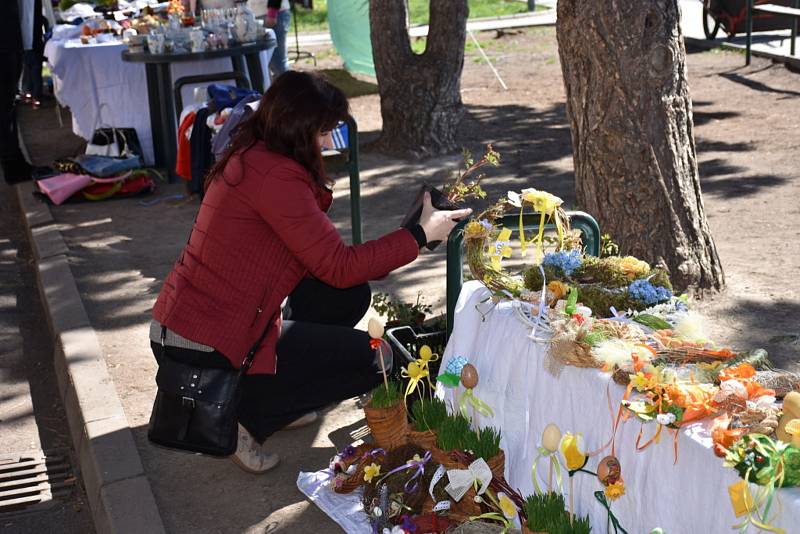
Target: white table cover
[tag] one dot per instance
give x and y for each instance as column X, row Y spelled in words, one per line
column 86, row 77
column 687, row 498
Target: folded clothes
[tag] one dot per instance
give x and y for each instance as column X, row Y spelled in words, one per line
column 104, row 166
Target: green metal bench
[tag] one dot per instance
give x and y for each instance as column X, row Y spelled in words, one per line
column 585, row 223
column 347, row 158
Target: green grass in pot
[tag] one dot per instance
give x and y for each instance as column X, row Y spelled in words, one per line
column 428, row 414
column 484, row 444
column 385, row 398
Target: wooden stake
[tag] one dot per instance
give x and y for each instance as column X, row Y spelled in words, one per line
column 550, row 476
column 571, row 515
column 383, row 368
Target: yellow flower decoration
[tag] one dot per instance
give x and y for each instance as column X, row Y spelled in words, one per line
column 506, row 505
column 415, row 373
column 643, row 382
column 793, row 429
column 371, row 471
column 415, row 458
column 572, row 449
column 426, row 355
column 542, row 201
column 633, row 267
column 558, row 289
column 615, row 491
column 475, row 230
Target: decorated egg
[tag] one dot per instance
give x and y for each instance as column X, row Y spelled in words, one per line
column 469, row 376
column 609, row 470
column 791, row 411
column 375, row 329
column 551, row 437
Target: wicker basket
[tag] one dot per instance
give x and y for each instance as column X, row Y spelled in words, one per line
column 389, row 426
column 362, row 459
column 425, row 439
column 443, row 457
column 526, row 530
column 498, row 465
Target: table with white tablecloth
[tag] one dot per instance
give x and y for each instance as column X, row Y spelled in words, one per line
column 690, row 496
column 90, row 77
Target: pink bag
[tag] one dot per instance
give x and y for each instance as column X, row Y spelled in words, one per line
column 62, row 186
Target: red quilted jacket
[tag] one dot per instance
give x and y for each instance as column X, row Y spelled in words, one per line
column 259, row 231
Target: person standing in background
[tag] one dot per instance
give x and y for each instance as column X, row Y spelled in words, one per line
column 15, row 168
column 278, row 18
column 33, row 46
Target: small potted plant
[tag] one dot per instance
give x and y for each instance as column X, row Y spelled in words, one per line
column 546, row 513
column 485, row 444
column 400, row 313
column 427, row 416
column 386, row 416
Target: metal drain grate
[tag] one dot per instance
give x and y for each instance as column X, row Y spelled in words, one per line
column 28, row 479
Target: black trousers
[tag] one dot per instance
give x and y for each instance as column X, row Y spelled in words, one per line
column 15, row 168
column 322, row 359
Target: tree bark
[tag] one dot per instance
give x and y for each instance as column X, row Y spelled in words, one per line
column 420, row 93
column 628, row 104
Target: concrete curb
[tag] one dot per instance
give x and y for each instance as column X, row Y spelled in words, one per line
column 117, row 488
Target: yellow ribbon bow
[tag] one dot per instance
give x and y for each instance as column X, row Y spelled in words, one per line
column 469, row 398
column 415, row 374
column 545, row 204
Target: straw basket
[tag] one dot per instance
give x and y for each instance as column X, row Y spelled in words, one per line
column 526, row 530
column 361, row 459
column 498, row 465
column 389, row 426
column 425, row 440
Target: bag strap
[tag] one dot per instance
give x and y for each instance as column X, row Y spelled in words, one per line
column 248, row 360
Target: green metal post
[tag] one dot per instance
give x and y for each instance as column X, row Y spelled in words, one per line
column 749, row 26
column 355, row 185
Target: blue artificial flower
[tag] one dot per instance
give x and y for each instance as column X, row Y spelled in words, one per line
column 566, row 260
column 649, row 294
column 455, row 365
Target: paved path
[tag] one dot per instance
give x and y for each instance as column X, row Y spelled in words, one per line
column 31, row 416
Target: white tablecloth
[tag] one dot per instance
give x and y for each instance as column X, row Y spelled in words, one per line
column 687, row 498
column 87, row 77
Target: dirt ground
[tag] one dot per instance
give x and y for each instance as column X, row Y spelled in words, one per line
column 746, row 132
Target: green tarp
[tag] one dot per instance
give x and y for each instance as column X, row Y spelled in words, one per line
column 348, row 21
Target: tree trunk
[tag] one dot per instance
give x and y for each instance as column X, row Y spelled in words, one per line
column 628, row 103
column 420, row 93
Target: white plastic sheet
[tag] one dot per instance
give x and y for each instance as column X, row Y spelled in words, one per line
column 345, row 509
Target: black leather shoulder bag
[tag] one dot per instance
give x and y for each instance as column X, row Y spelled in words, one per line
column 196, row 407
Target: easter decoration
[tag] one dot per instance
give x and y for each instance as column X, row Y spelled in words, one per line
column 770, row 463
column 551, row 437
column 469, row 379
column 609, row 473
column 572, row 449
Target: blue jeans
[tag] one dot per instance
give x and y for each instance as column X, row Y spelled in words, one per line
column 279, row 63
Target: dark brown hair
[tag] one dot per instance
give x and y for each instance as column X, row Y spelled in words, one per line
column 296, row 107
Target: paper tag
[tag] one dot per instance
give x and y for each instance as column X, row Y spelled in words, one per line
column 441, row 506
column 437, row 476
column 741, row 500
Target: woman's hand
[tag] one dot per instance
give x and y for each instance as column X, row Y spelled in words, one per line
column 438, row 223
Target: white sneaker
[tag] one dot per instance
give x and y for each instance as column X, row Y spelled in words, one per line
column 305, row 420
column 250, row 456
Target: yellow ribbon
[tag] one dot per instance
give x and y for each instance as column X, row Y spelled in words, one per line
column 556, row 466
column 477, row 404
column 426, row 356
column 415, row 374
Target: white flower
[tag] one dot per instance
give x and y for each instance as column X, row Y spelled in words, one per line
column 666, row 418
column 397, row 529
